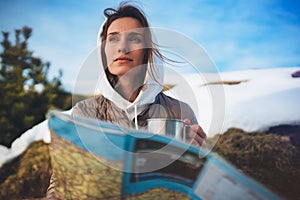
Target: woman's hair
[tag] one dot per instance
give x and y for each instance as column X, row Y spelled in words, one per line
column 127, row 10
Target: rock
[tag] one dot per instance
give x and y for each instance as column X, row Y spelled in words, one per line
column 296, row 74
column 293, row 131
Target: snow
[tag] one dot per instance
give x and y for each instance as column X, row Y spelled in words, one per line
column 264, row 98
column 36, row 133
column 270, row 97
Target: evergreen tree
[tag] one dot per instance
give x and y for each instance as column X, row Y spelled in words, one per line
column 26, row 92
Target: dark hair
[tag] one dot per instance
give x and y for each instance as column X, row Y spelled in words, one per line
column 127, row 10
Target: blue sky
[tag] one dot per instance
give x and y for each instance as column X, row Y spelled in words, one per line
column 236, row 35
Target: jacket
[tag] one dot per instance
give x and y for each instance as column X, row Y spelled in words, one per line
column 163, row 107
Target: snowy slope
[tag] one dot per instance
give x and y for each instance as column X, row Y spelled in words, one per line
column 270, row 97
column 264, row 98
column 36, row 133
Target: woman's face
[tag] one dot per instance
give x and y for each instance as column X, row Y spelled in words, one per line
column 124, row 47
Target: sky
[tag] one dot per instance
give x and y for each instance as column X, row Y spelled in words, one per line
column 236, row 35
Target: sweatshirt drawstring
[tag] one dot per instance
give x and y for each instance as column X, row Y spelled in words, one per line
column 135, row 118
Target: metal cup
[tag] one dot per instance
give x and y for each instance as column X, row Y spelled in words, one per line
column 174, row 128
column 186, row 134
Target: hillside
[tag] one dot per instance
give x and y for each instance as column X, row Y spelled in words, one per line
column 271, row 159
column 27, row 176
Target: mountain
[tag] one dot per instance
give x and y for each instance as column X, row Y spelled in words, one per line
column 257, row 129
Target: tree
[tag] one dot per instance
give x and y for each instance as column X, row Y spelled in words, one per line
column 25, row 90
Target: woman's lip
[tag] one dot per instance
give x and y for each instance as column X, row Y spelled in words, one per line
column 123, row 59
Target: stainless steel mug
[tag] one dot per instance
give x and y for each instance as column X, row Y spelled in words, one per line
column 174, row 128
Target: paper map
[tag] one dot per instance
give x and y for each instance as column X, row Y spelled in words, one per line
column 97, row 160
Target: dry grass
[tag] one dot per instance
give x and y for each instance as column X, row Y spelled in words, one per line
column 229, row 82
column 268, row 158
column 167, row 87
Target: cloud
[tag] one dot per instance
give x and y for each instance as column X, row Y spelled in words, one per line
column 235, row 34
column 236, row 31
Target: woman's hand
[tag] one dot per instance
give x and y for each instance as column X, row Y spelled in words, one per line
column 197, row 135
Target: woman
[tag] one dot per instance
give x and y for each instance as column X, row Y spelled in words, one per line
column 131, row 89
column 131, row 86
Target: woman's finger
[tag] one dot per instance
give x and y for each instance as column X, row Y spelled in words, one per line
column 198, row 140
column 197, row 135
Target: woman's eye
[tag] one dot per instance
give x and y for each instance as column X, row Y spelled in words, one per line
column 113, row 39
column 135, row 39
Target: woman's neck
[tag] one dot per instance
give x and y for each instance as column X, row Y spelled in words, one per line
column 129, row 87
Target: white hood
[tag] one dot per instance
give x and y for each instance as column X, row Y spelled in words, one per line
column 147, row 95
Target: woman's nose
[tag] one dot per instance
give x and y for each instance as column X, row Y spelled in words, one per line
column 123, row 47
